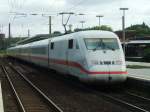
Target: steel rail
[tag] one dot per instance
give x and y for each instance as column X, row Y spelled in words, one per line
column 117, row 100
column 48, row 100
column 135, row 95
column 14, row 90
column 125, row 103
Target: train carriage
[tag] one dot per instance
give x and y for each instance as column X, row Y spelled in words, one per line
column 39, row 53
column 92, row 56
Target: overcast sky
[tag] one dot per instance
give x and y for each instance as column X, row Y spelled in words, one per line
column 139, row 11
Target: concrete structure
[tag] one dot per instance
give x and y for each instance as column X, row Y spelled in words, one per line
column 1, row 100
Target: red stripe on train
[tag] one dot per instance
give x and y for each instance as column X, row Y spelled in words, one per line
column 77, row 65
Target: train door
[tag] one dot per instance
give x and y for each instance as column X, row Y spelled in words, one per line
column 58, row 56
column 69, row 55
column 63, row 56
column 73, row 54
column 51, row 54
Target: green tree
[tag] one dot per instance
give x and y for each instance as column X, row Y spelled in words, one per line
column 103, row 27
column 140, row 29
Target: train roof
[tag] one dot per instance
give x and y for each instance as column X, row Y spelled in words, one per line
column 95, row 33
column 40, row 43
column 87, row 34
column 81, row 34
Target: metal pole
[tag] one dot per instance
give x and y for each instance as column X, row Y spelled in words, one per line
column 28, row 33
column 82, row 22
column 123, row 32
column 123, row 28
column 9, row 34
column 62, row 19
column 50, row 29
column 99, row 17
column 99, row 21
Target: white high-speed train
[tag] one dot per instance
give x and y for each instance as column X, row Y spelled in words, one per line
column 92, row 56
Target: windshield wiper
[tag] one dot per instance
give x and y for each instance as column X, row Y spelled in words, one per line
column 105, row 46
column 95, row 48
column 110, row 48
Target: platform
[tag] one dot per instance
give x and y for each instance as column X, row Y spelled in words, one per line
column 138, row 63
column 142, row 73
column 1, row 100
column 139, row 73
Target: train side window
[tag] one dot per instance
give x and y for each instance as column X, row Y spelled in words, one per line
column 70, row 44
column 52, row 45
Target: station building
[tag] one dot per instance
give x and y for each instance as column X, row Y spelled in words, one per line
column 135, row 46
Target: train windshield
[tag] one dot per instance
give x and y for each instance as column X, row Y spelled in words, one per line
column 101, row 43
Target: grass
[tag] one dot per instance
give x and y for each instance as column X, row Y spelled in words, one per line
column 137, row 66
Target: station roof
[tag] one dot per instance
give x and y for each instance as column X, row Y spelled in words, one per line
column 141, row 38
column 36, row 38
column 139, row 42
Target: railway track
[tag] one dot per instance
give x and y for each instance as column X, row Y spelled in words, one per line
column 126, row 99
column 132, row 101
column 71, row 98
column 29, row 97
column 139, row 96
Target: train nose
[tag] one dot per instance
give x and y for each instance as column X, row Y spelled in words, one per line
column 106, row 74
column 98, row 74
column 117, row 73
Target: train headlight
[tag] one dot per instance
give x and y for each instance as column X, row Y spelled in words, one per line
column 118, row 62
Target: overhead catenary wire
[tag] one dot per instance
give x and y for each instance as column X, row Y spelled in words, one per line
column 16, row 5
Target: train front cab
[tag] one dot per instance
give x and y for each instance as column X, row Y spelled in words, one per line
column 105, row 61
